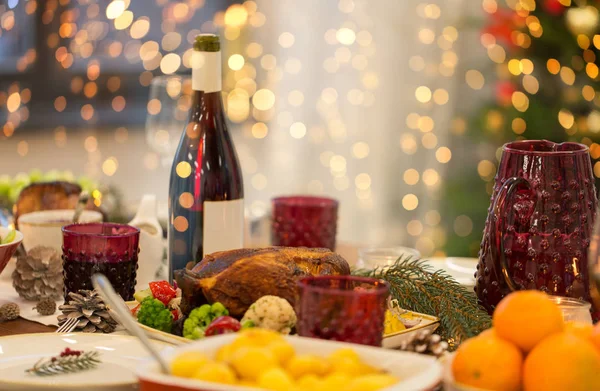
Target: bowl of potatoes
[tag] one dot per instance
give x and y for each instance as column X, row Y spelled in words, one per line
column 258, row 359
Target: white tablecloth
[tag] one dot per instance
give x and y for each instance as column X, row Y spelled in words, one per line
column 9, row 295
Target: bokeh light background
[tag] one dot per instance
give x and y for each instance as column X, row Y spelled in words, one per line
column 358, row 100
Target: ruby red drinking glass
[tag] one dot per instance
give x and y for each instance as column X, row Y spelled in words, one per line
column 304, row 221
column 106, row 248
column 342, row 308
column 539, row 223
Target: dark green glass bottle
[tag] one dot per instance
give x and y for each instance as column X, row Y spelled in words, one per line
column 206, row 193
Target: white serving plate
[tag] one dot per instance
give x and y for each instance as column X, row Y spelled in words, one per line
column 417, row 372
column 153, row 333
column 120, row 354
column 389, row 341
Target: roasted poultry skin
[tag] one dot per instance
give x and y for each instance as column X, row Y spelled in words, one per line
column 237, row 278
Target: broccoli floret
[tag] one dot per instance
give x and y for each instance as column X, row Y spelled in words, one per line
column 218, row 309
column 200, row 318
column 248, row 324
column 153, row 313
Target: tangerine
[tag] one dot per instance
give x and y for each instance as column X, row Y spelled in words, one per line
column 562, row 362
column 488, row 333
column 490, row 363
column 527, row 317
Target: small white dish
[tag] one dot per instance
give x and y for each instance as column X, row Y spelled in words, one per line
column 43, row 228
column 120, row 354
column 461, row 269
column 395, row 340
column 416, row 372
column 377, row 257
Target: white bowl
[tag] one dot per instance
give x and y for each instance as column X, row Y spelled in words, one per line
column 417, row 372
column 43, row 228
column 7, row 250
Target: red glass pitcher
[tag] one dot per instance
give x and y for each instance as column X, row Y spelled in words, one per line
column 539, row 223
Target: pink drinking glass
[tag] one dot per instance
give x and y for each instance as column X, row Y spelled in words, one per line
column 107, row 248
column 342, row 308
column 539, row 223
column 304, row 221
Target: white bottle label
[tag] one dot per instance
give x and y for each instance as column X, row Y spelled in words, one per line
column 223, row 225
column 206, row 71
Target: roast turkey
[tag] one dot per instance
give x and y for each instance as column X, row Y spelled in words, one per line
column 237, row 278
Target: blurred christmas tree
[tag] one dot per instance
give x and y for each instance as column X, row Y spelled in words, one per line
column 545, row 54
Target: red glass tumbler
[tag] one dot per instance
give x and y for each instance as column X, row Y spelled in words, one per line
column 110, row 249
column 304, row 221
column 342, row 308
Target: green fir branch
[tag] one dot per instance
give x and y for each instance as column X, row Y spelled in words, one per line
column 66, row 364
column 418, row 288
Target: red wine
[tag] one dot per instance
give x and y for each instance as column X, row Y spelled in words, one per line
column 206, row 194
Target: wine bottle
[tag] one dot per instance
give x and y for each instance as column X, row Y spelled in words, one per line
column 206, row 193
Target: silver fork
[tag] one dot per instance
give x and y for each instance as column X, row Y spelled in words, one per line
column 68, row 326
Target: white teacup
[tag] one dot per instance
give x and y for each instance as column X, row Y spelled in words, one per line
column 43, row 228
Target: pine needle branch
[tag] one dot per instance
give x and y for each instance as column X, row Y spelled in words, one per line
column 418, row 288
column 66, row 364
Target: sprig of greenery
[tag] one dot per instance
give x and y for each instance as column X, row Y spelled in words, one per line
column 66, row 364
column 418, row 288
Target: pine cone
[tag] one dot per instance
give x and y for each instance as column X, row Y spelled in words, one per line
column 90, row 309
column 46, row 307
column 9, row 311
column 39, row 274
column 425, row 342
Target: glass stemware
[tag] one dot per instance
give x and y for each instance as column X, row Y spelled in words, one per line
column 168, row 108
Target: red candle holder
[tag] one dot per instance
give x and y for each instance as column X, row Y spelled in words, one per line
column 342, row 308
column 304, row 221
column 110, row 249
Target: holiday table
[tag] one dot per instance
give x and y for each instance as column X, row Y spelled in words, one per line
column 23, row 326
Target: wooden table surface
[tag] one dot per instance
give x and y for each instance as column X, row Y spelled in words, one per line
column 23, row 326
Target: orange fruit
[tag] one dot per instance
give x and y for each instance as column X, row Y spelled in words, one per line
column 580, row 329
column 490, row 363
column 595, row 336
column 562, row 362
column 488, row 333
column 527, row 317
